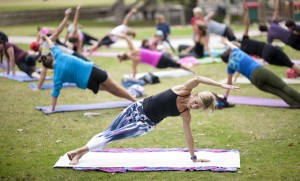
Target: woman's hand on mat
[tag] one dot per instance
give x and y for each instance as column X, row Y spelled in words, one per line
column 201, row 160
column 48, row 111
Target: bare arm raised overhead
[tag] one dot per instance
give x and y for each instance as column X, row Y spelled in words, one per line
column 188, row 86
column 246, row 19
column 128, row 16
column 276, row 10
column 61, row 26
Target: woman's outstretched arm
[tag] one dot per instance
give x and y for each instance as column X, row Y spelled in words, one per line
column 246, row 19
column 61, row 26
column 194, row 82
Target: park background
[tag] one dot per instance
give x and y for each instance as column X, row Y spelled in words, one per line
column 30, row 142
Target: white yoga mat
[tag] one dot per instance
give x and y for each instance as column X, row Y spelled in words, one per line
column 162, row 74
column 244, row 80
column 170, row 159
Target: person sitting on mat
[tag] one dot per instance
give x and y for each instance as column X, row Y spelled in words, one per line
column 153, row 58
column 271, row 54
column 36, row 46
column 112, row 37
column 15, row 55
column 261, row 77
column 276, row 31
column 201, row 40
column 142, row 116
column 68, row 68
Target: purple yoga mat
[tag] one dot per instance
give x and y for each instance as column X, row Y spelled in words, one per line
column 82, row 107
column 256, row 101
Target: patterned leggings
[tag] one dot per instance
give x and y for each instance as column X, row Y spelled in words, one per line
column 131, row 122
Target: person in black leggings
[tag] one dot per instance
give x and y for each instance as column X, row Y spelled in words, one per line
column 271, row 54
column 201, row 39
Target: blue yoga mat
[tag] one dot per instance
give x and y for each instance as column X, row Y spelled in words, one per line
column 21, row 77
column 82, row 107
column 50, row 86
column 216, row 53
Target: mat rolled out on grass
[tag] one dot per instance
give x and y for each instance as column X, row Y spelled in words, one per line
column 154, row 159
column 82, row 107
column 21, row 77
column 244, row 80
column 191, row 61
column 162, row 74
column 256, row 101
column 50, row 86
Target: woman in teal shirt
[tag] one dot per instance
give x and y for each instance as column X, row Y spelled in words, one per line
column 68, row 68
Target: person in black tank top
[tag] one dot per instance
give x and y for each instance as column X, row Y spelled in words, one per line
column 142, row 116
column 269, row 53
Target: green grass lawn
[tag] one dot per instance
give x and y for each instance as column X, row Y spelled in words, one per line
column 31, row 142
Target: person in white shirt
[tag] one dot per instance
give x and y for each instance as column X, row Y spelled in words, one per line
column 111, row 37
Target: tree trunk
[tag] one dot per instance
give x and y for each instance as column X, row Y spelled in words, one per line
column 119, row 11
column 189, row 9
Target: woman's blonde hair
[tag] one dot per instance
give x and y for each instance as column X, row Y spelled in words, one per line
column 197, row 10
column 208, row 100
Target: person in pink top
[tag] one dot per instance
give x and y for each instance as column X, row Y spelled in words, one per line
column 153, row 58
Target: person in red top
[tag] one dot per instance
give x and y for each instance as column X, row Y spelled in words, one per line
column 197, row 17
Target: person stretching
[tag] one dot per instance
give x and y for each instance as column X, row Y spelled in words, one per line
column 153, row 58
column 112, row 37
column 276, row 31
column 68, row 68
column 15, row 55
column 271, row 54
column 142, row 116
column 41, row 46
column 261, row 77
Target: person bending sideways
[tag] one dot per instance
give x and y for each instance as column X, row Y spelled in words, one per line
column 142, row 116
column 261, row 77
column 269, row 53
column 68, row 68
column 150, row 57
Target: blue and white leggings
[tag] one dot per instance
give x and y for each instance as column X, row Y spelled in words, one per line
column 131, row 122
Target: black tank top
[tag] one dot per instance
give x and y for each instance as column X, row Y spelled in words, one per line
column 199, row 49
column 252, row 47
column 160, row 106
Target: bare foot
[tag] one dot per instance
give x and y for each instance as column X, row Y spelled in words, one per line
column 72, row 154
column 76, row 158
